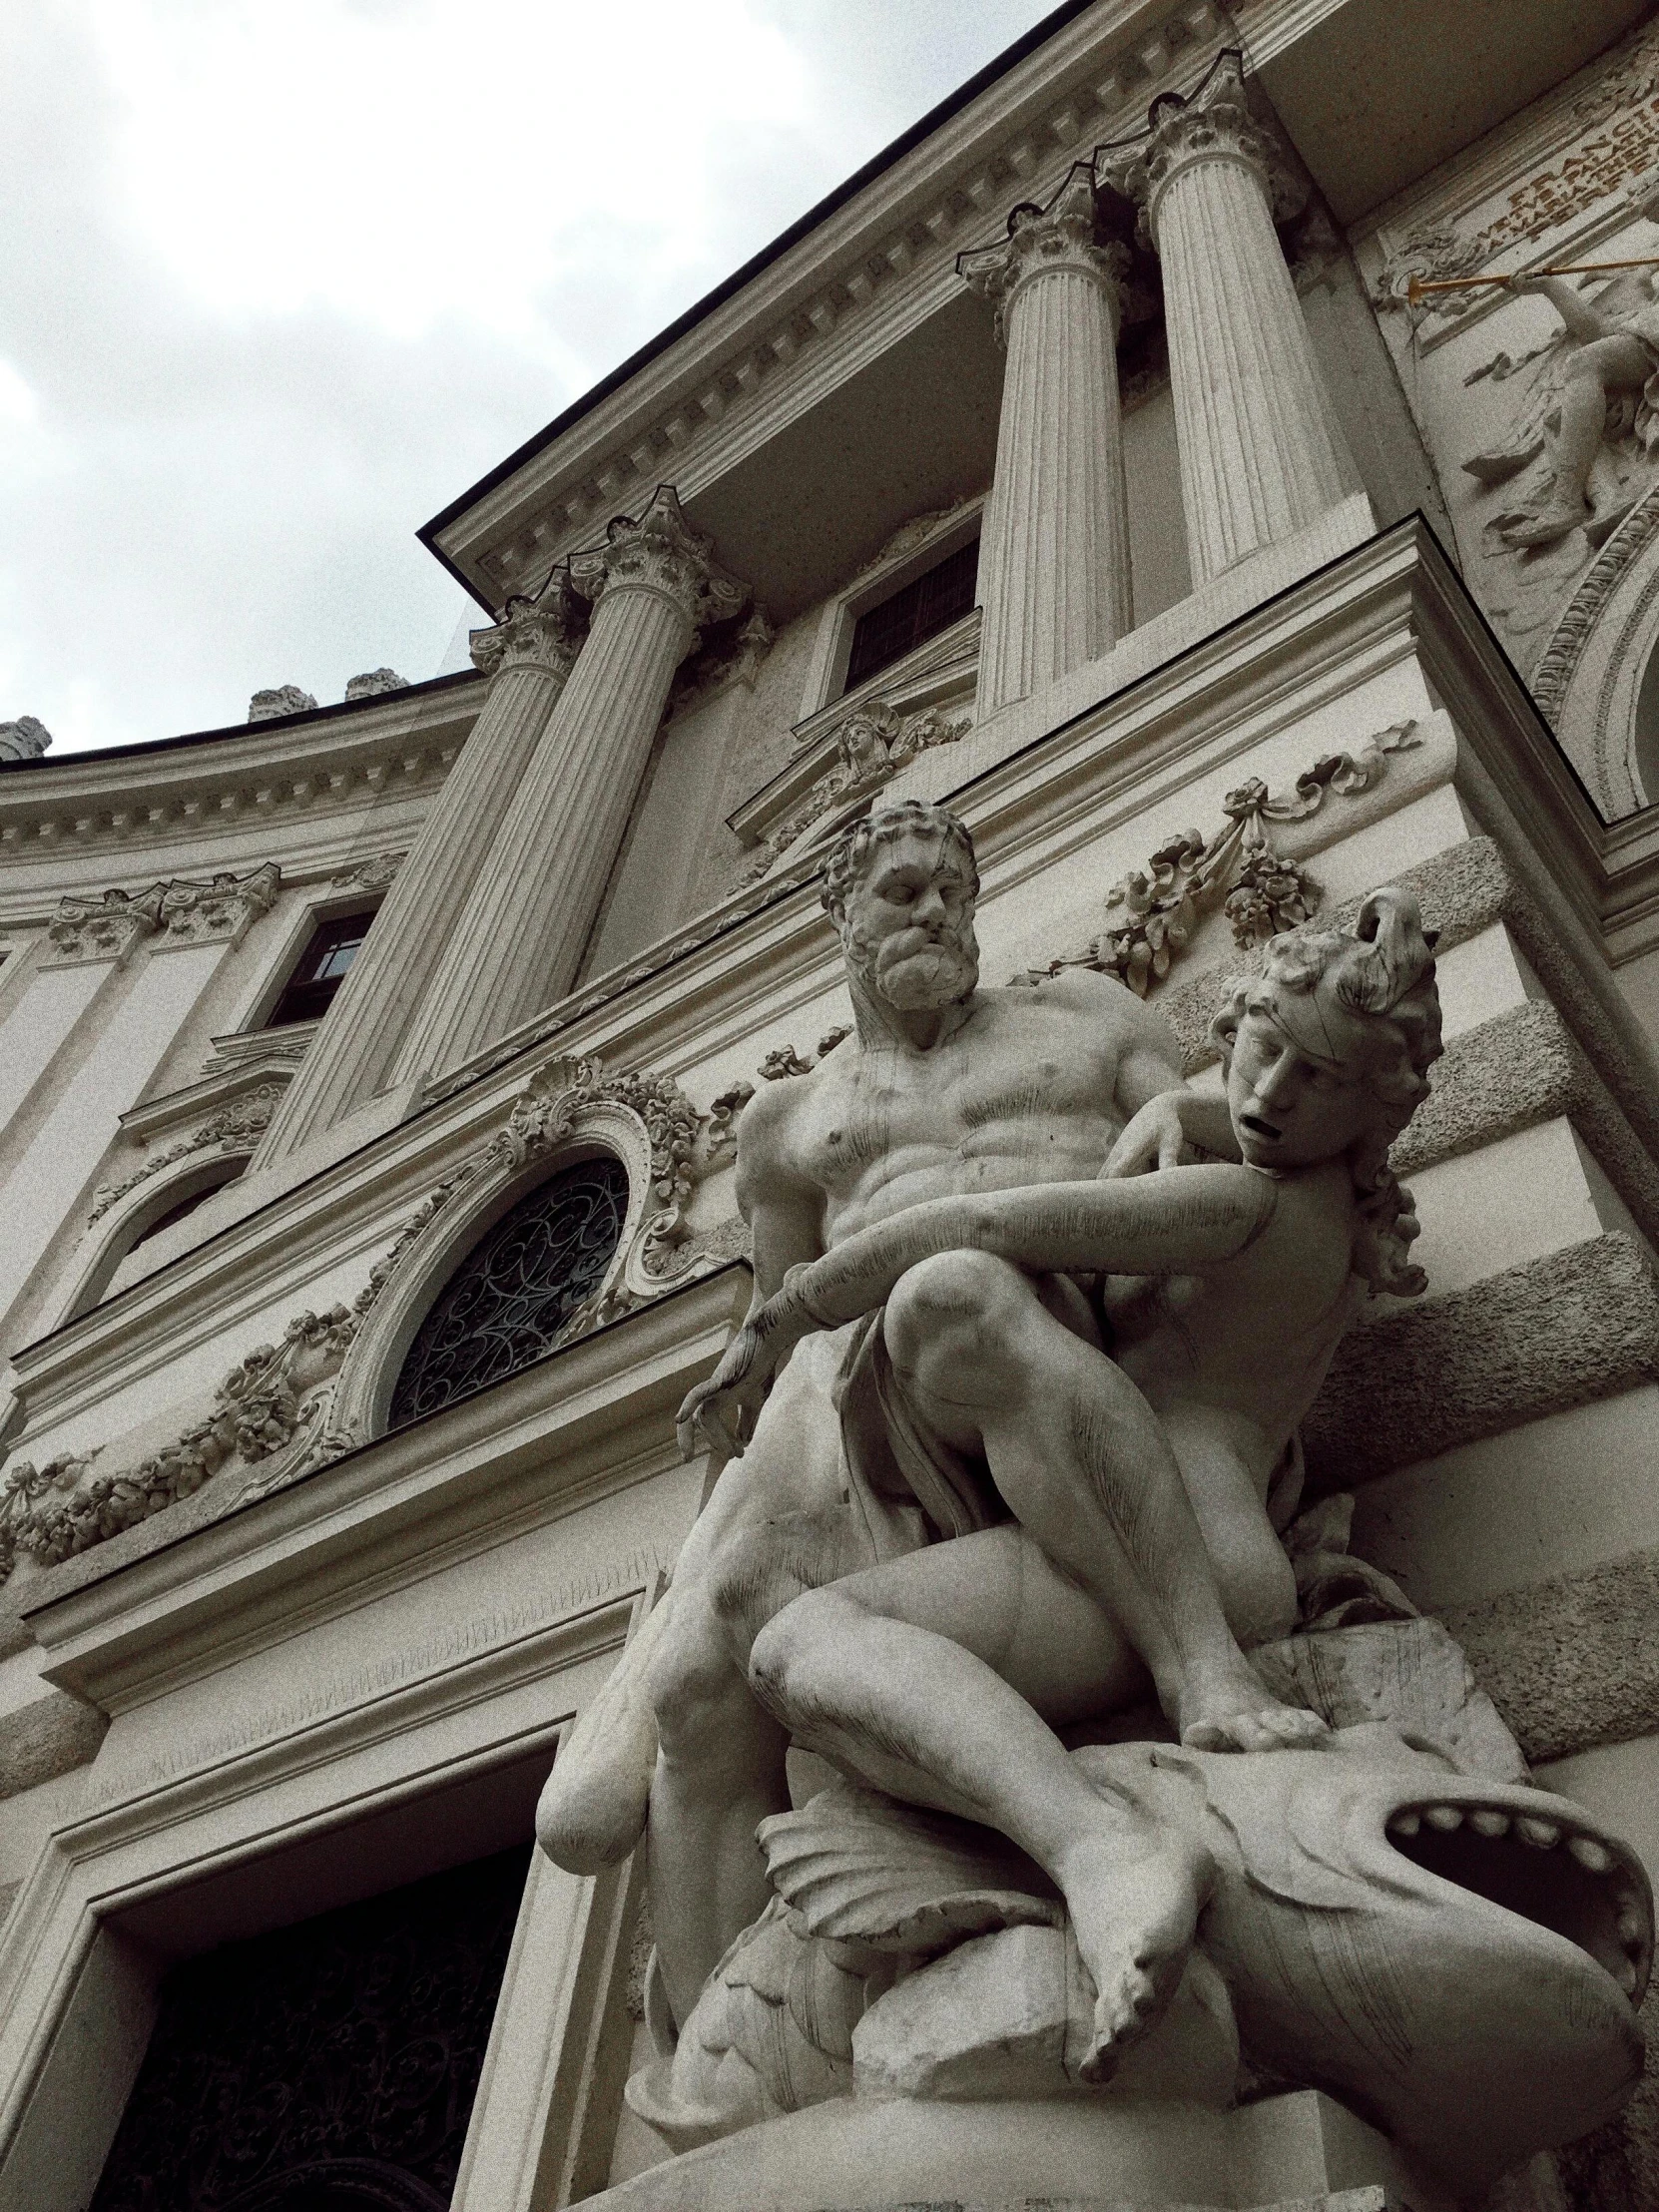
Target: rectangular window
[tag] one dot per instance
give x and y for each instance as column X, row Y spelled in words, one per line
column 914, row 614
column 320, row 969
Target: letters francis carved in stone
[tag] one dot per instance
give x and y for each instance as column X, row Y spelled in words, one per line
column 1007, row 1535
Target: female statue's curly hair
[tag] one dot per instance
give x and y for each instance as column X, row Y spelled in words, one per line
column 1368, row 1002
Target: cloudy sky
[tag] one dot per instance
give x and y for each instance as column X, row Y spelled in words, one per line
column 280, row 277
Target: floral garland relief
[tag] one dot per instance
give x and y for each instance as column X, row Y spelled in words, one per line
column 271, row 1407
column 1154, row 913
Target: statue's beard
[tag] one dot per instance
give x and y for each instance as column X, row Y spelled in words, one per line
column 916, row 970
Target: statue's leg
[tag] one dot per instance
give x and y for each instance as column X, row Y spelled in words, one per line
column 719, row 1773
column 775, row 1525
column 1083, row 1463
column 928, row 1676
column 1603, row 365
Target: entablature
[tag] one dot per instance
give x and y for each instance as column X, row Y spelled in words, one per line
column 294, row 791
column 805, row 321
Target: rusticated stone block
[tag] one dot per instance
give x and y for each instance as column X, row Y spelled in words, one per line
column 1560, row 1331
column 1575, row 1661
column 43, row 1740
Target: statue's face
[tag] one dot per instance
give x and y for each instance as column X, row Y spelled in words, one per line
column 1291, row 1108
column 908, row 926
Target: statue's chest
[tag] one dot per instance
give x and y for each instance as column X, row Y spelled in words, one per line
column 1013, row 1100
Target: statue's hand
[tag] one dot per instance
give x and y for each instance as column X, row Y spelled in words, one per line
column 1526, row 283
column 712, row 1413
column 1153, row 1139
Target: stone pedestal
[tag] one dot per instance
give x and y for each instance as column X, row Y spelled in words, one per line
column 1054, row 551
column 858, row 2154
column 528, row 656
column 1260, row 456
column 519, row 942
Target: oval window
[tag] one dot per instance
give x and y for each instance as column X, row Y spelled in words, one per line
column 516, row 1289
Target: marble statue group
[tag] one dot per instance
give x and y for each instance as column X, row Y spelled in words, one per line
column 996, row 1574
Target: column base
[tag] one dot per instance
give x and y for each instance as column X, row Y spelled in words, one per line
column 859, row 2154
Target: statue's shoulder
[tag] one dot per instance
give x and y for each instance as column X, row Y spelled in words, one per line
column 1099, row 998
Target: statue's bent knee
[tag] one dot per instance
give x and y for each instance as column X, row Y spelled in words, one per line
column 787, row 1640
column 954, row 1305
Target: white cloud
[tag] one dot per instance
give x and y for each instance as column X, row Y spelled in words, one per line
column 402, row 163
column 282, row 277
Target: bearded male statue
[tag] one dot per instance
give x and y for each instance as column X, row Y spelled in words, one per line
column 972, row 1399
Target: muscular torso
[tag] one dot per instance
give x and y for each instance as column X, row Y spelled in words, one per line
column 1025, row 1091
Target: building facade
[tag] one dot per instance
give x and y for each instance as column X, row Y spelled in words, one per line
column 1094, row 464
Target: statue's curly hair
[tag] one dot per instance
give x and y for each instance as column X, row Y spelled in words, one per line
column 854, row 849
column 1383, row 980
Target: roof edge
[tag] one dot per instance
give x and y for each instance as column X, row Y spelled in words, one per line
column 1011, row 57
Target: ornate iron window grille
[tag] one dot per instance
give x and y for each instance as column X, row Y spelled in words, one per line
column 329, row 2066
column 516, row 1291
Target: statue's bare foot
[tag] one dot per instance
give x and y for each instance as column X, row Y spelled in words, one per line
column 1231, row 1711
column 1547, row 526
column 1134, row 1905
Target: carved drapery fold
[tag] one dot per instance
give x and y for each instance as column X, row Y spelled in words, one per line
column 1054, row 560
column 528, row 656
column 517, row 945
column 1260, row 456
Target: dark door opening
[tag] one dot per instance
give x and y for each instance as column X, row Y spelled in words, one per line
column 329, row 2066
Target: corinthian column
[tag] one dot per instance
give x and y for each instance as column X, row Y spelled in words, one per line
column 519, row 942
column 527, row 656
column 1260, row 456
column 1054, row 549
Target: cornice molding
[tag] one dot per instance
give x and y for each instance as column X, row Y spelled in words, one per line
column 319, row 770
column 763, row 352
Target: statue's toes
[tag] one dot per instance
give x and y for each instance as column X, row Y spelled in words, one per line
column 1294, row 1725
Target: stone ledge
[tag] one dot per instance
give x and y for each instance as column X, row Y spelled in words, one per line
column 1513, row 1072
column 41, row 1741
column 1572, row 1662
column 1415, row 1381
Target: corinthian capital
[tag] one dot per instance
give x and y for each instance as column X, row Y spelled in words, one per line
column 1211, row 123
column 543, row 632
column 661, row 553
column 1043, row 241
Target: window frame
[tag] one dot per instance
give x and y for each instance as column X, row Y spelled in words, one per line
column 833, row 646
column 320, row 923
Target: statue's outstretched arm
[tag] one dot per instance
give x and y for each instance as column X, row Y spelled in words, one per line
column 1175, row 1222
column 1179, row 1222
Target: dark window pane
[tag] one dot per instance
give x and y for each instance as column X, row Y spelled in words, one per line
column 320, row 969
column 328, row 2065
column 184, row 1207
column 508, row 1301
column 915, row 614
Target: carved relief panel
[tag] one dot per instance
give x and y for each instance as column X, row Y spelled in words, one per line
column 1539, row 400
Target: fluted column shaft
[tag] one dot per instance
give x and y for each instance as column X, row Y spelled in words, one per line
column 520, row 940
column 1260, row 456
column 529, row 656
column 1054, row 547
